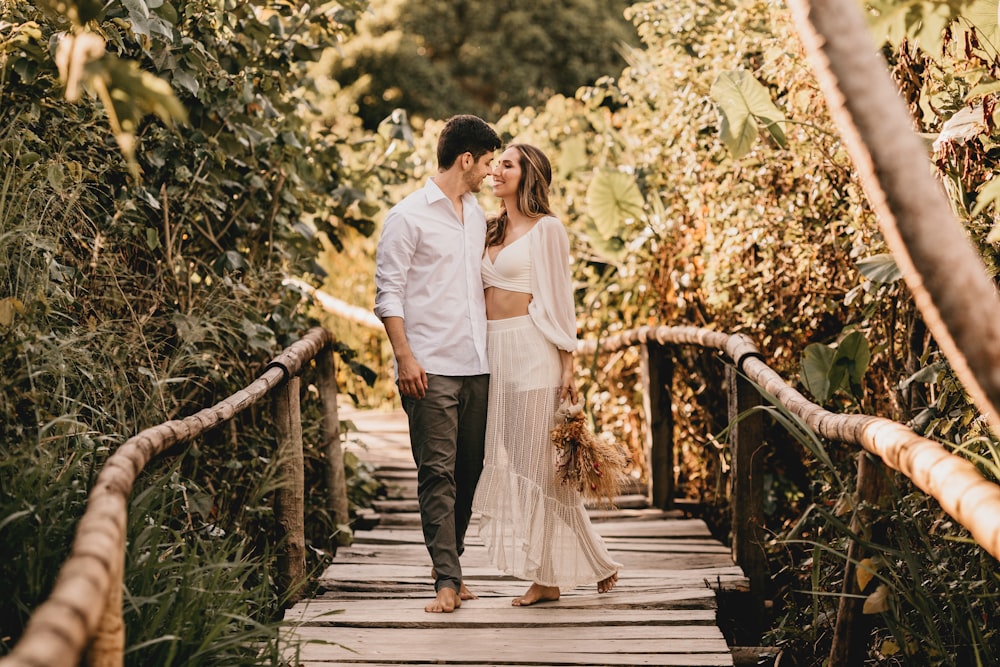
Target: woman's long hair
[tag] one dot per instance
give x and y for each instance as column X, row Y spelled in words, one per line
column 532, row 192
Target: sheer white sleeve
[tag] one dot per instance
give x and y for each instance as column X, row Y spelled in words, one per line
column 552, row 308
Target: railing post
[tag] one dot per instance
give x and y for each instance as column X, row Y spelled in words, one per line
column 746, row 432
column 849, row 640
column 326, row 365
column 657, row 380
column 289, row 499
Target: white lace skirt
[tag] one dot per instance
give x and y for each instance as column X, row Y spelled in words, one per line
column 534, row 527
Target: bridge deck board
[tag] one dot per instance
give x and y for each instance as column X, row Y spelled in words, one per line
column 369, row 610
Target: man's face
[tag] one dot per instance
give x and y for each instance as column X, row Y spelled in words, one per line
column 480, row 169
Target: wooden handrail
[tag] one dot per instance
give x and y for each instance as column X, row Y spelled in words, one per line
column 953, row 481
column 84, row 610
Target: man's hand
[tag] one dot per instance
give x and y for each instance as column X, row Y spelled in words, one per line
column 412, row 378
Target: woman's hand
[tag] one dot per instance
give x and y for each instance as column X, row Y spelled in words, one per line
column 567, row 387
column 568, row 391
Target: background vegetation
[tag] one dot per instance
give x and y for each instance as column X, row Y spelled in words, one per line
column 142, row 260
column 436, row 57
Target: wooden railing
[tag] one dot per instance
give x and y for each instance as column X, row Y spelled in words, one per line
column 953, row 481
column 69, row 623
column 84, row 611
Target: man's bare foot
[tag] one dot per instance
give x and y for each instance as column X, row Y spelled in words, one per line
column 605, row 585
column 463, row 592
column 447, row 601
column 537, row 593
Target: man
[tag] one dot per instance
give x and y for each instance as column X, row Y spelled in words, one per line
column 429, row 296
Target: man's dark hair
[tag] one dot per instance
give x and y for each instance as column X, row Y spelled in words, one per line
column 465, row 134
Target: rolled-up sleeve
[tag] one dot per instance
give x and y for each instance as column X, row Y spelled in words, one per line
column 394, row 256
column 552, row 309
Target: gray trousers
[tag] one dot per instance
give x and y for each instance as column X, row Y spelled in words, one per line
column 447, row 436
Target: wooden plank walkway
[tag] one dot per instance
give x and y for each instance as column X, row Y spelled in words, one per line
column 370, row 609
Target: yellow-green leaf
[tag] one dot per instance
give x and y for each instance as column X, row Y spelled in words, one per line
column 613, row 198
column 865, row 573
column 745, row 107
column 889, row 647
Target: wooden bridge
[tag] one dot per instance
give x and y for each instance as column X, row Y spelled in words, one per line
column 371, row 613
column 663, row 611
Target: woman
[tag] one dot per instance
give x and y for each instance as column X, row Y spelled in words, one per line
column 534, row 527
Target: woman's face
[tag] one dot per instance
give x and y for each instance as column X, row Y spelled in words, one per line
column 507, row 173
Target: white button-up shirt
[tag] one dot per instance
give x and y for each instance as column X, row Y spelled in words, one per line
column 428, row 272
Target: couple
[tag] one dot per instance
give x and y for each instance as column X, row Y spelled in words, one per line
column 481, row 320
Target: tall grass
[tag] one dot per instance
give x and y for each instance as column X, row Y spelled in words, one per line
column 196, row 593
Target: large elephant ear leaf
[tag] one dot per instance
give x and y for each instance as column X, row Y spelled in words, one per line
column 613, row 198
column 572, row 156
column 816, row 367
column 854, row 354
column 608, row 250
column 745, row 107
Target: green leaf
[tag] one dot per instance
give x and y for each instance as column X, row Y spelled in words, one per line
column 9, row 306
column 815, row 370
column 827, row 369
column 258, row 336
column 613, row 198
column 854, row 355
column 982, row 15
column 745, row 107
column 880, row 268
column 186, row 80
column 138, row 15
column 152, row 239
column 926, row 375
column 55, row 176
column 396, row 127
column 364, row 372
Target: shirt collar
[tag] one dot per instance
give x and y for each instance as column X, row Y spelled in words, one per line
column 434, row 193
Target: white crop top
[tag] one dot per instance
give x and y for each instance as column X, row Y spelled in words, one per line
column 542, row 260
column 511, row 270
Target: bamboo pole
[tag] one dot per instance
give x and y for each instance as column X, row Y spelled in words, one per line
column 746, row 440
column 336, row 478
column 108, row 647
column 289, row 498
column 849, row 640
column 657, row 380
column 950, row 285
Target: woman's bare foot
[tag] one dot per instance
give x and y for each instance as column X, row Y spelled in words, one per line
column 447, row 601
column 463, row 592
column 537, row 593
column 605, row 585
